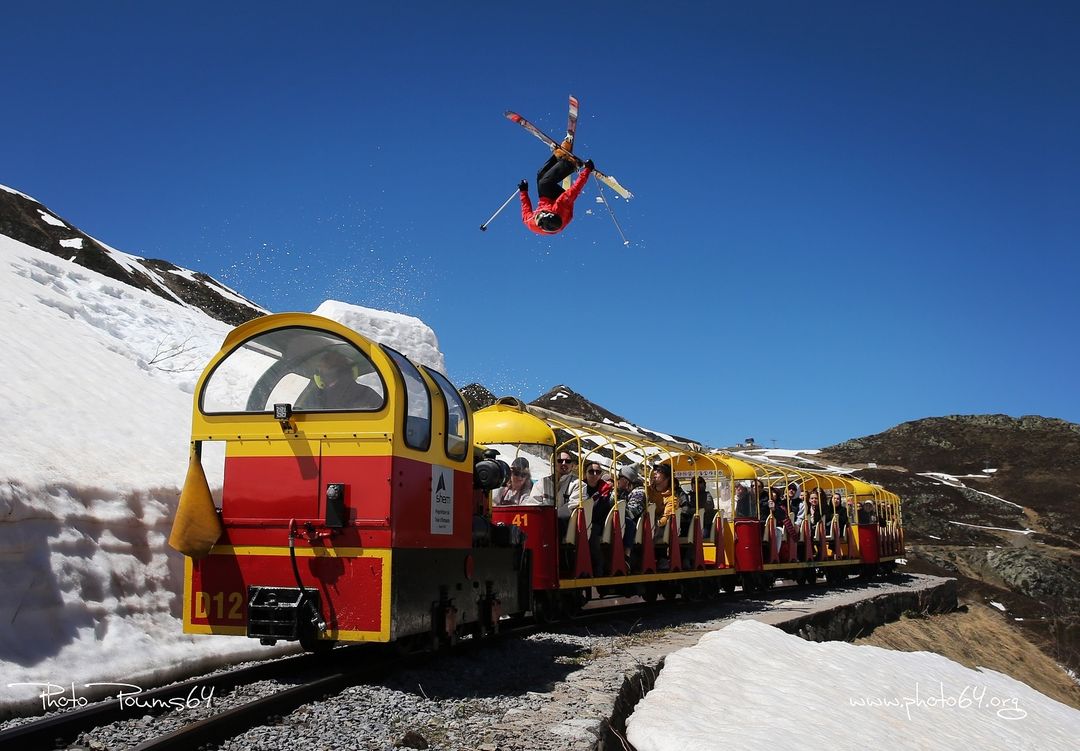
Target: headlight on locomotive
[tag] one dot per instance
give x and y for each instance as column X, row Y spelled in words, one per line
column 490, row 473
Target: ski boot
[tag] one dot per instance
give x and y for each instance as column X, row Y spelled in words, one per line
column 565, row 150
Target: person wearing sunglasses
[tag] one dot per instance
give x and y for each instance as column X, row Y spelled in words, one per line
column 599, row 490
column 516, row 492
column 567, row 488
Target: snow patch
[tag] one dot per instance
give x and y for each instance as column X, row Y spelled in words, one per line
column 50, row 219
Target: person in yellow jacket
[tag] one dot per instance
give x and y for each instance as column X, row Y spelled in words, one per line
column 674, row 499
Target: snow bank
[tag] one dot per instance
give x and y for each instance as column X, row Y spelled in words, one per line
column 408, row 335
column 752, row 686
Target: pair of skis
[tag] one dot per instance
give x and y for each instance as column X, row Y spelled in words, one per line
column 571, row 129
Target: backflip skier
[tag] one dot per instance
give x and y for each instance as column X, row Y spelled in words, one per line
column 555, row 208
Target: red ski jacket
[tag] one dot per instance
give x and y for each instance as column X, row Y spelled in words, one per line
column 563, row 205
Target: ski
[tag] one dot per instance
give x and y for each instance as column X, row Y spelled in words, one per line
column 607, row 180
column 571, row 120
column 571, row 130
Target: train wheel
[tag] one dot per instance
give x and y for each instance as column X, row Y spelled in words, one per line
column 729, row 583
column 545, row 608
column 317, row 646
column 648, row 593
column 693, row 591
column 573, row 601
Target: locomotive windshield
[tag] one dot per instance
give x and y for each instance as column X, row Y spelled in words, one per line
column 311, row 370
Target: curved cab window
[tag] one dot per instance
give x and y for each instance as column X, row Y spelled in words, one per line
column 314, row 371
column 418, row 409
column 457, row 422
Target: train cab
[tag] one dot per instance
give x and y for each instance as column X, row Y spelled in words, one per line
column 348, row 507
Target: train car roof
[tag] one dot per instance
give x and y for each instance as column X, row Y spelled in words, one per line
column 507, row 421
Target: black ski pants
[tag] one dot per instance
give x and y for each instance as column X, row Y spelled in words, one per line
column 549, row 177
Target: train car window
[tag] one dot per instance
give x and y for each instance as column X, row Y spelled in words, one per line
column 540, row 482
column 418, row 399
column 310, row 369
column 457, row 419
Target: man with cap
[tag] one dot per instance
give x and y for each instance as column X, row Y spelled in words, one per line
column 630, row 490
column 516, row 492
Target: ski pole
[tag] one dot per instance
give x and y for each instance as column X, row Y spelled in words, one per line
column 483, row 227
column 611, row 213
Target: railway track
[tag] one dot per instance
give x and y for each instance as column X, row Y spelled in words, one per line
column 312, row 677
column 63, row 728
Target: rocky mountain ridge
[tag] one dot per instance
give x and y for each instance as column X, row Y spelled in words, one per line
column 24, row 219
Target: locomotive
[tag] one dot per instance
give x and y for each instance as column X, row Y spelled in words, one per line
column 357, row 505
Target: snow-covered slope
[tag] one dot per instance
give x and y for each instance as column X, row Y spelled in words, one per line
column 25, row 219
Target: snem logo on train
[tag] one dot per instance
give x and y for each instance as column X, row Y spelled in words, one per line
column 442, row 501
column 361, row 499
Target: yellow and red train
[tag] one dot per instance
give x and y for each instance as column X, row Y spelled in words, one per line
column 356, row 503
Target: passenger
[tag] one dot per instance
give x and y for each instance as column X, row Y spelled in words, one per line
column 791, row 498
column 517, row 491
column 743, row 507
column 866, row 513
column 777, row 507
column 773, row 504
column 337, row 388
column 600, row 493
column 760, row 495
column 567, row 489
column 810, row 506
column 766, row 502
column 673, row 497
column 837, row 509
column 631, row 491
column 705, row 502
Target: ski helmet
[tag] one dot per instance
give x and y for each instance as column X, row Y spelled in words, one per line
column 548, row 221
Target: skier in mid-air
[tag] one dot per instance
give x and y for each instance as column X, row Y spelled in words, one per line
column 555, row 208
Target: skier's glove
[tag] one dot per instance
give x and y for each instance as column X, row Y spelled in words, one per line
column 589, row 165
column 523, row 186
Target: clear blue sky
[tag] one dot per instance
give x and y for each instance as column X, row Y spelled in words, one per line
column 848, row 214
